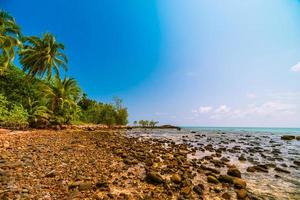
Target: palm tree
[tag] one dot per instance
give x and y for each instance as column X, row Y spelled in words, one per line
column 40, row 56
column 39, row 114
column 9, row 39
column 61, row 97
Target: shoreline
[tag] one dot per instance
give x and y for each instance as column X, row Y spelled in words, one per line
column 105, row 164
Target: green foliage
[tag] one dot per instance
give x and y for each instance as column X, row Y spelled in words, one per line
column 13, row 115
column 40, row 56
column 9, row 39
column 16, row 88
column 31, row 99
column 99, row 113
column 61, row 98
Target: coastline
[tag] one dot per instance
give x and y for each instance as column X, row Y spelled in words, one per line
column 112, row 164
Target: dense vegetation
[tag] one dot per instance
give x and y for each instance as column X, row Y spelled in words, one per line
column 34, row 94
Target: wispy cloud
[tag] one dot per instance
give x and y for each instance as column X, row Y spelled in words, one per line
column 205, row 109
column 266, row 109
column 222, row 109
column 202, row 109
column 296, row 68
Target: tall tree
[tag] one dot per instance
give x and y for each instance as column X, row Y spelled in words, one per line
column 62, row 97
column 42, row 56
column 9, row 39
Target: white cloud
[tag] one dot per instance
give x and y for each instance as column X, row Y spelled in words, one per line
column 205, row 109
column 222, row 109
column 266, row 109
column 296, row 68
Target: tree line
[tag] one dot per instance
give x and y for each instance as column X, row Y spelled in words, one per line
column 145, row 123
column 35, row 94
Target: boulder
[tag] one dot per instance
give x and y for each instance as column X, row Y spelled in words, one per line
column 234, row 172
column 288, row 137
column 239, row 183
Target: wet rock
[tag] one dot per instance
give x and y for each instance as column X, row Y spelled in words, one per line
column 288, row 137
column 250, row 169
column 241, row 194
column 224, row 159
column 176, row 178
column 212, row 179
column 282, row 170
column 213, row 170
column 239, row 183
column 296, row 162
column 234, row 172
column 242, row 158
column 261, row 168
column 154, row 178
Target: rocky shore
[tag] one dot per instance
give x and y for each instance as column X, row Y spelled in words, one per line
column 116, row 164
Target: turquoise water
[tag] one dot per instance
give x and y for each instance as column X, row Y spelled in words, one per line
column 281, row 131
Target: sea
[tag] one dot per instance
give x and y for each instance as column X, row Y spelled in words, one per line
column 280, row 131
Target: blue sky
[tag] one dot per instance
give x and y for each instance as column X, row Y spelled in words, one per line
column 208, row 62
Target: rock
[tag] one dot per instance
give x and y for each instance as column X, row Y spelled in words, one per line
column 261, row 168
column 241, row 194
column 251, row 169
column 212, row 179
column 234, row 172
column 73, row 185
column 239, row 183
column 296, row 162
column 102, row 185
column 298, row 138
column 85, row 186
column 224, row 159
column 282, row 170
column 176, row 178
column 154, row 178
column 226, row 196
column 51, row 174
column 288, row 137
column 186, row 190
column 198, row 189
column 226, row 179
column 242, row 158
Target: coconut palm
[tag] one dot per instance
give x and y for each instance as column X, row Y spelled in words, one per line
column 40, row 56
column 9, row 39
column 62, row 97
column 39, row 114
